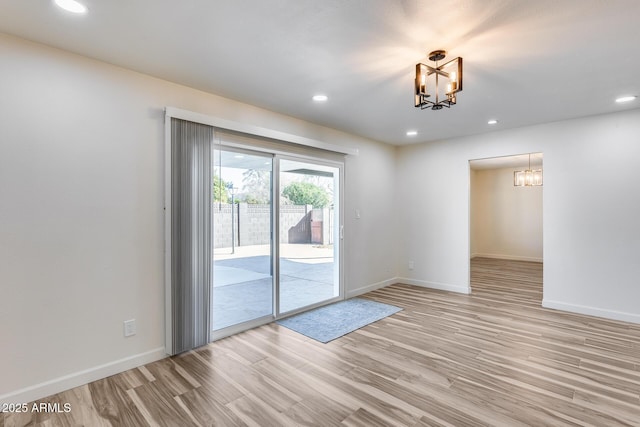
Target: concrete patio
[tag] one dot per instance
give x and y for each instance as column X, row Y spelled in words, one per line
column 243, row 281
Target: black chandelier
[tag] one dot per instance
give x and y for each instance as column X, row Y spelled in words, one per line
column 436, row 94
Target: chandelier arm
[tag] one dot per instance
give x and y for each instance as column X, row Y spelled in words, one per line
column 440, row 72
column 430, row 69
column 449, row 62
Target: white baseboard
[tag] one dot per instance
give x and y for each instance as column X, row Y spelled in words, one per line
column 435, row 285
column 57, row 385
column 363, row 290
column 592, row 311
column 508, row 257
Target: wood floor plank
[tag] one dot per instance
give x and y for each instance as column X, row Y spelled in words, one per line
column 112, row 403
column 494, row 357
column 204, row 410
column 171, row 376
column 217, row 385
column 626, row 414
column 249, row 381
column 156, row 402
column 363, row 418
column 255, row 412
column 309, row 412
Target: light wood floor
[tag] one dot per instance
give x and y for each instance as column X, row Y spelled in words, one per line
column 491, row 358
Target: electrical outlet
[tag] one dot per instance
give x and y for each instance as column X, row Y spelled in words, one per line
column 129, row 327
column 411, row 265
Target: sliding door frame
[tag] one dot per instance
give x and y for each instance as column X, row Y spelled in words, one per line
column 338, row 237
column 260, row 132
column 278, row 155
column 217, row 334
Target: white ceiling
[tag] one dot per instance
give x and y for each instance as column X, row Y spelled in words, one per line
column 526, row 62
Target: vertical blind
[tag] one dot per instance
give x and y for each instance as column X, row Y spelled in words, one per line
column 191, row 189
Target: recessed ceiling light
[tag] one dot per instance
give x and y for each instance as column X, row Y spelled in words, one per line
column 492, row 122
column 71, row 6
column 412, row 132
column 320, row 98
column 239, row 156
column 626, row 98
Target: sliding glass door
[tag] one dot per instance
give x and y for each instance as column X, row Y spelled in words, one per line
column 276, row 237
column 242, row 209
column 309, row 269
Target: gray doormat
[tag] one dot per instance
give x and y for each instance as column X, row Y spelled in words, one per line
column 332, row 321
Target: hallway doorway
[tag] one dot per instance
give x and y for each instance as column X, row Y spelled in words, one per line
column 505, row 217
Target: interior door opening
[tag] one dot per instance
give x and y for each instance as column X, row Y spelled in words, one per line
column 506, row 227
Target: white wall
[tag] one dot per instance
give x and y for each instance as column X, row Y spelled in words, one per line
column 591, row 206
column 506, row 221
column 81, row 220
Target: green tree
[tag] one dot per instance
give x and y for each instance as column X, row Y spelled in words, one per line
column 306, row 193
column 220, row 191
